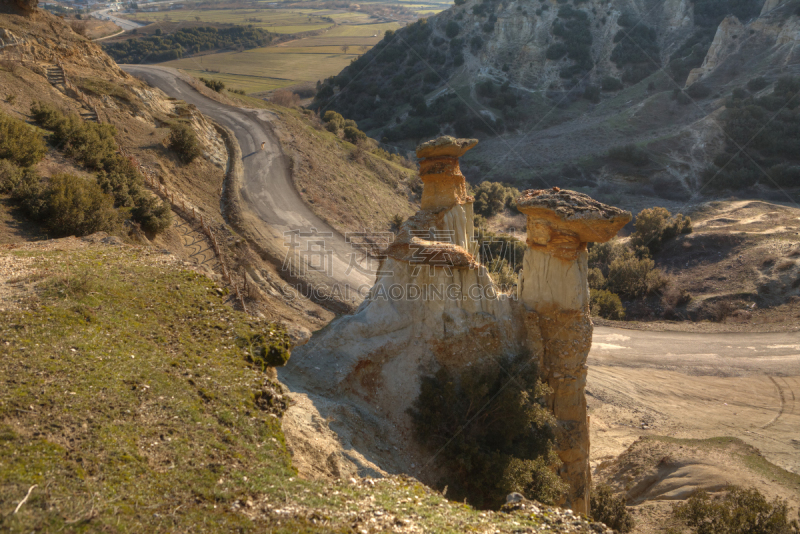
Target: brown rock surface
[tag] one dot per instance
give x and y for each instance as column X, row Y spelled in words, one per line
column 440, row 172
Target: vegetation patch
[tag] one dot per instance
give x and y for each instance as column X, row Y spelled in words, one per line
column 610, row 510
column 93, row 145
column 158, row 48
column 737, row 511
column 490, row 440
column 636, row 49
column 768, row 156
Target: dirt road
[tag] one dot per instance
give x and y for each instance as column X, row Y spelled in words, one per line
column 283, row 224
column 691, row 385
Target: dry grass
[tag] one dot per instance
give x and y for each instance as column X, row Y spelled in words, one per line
column 351, row 189
column 285, row 98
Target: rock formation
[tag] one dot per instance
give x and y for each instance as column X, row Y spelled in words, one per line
column 433, row 305
column 554, row 291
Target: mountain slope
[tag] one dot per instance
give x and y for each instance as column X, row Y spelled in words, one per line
column 552, row 87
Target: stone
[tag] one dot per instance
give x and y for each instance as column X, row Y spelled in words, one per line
column 444, row 185
column 511, row 498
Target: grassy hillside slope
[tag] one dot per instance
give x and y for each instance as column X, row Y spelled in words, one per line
column 131, row 404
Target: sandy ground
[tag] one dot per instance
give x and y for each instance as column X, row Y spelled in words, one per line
column 695, row 386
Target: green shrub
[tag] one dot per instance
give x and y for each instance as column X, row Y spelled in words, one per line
column 452, row 29
column 632, row 277
column 183, row 141
column 630, row 154
column 606, row 304
column 72, row 205
column 609, row 83
column 757, row 84
column 610, row 510
column 656, row 225
column 20, row 143
column 269, row 348
column 739, row 511
column 493, row 197
column 10, row 175
column 214, row 85
column 491, row 439
column 354, row 135
column 592, row 93
column 94, row 146
column 153, row 214
column 596, row 278
column 698, row 90
column 494, row 247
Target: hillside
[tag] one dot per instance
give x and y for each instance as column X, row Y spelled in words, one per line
column 135, row 400
column 633, row 102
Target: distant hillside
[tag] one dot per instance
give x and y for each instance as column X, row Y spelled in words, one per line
column 558, row 89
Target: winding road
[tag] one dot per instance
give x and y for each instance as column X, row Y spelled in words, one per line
column 282, row 223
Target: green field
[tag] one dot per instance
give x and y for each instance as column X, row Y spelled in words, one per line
column 265, row 69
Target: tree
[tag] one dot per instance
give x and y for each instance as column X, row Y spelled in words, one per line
column 345, row 48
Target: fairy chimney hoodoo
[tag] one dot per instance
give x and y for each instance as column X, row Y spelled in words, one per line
column 377, row 357
column 555, row 293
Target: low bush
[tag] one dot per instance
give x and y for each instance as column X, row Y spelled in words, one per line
column 607, row 305
column 267, row 349
column 738, row 511
column 698, row 90
column 79, row 27
column 183, row 141
column 285, row 98
column 94, row 146
column 20, row 143
column 68, row 205
column 154, row 215
column 631, row 154
column 215, row 85
column 493, row 197
column 610, row 510
column 632, row 277
column 656, row 225
column 354, row 135
column 757, row 84
column 491, row 440
column 609, row 83
column 10, row 175
column 592, row 93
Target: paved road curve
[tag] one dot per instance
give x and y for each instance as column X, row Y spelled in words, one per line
column 125, row 24
column 268, row 191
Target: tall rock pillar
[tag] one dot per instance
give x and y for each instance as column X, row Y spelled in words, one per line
column 555, row 292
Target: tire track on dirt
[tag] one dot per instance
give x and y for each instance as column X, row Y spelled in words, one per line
column 783, row 403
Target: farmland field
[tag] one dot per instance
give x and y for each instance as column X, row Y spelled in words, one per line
column 265, row 69
column 342, row 35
